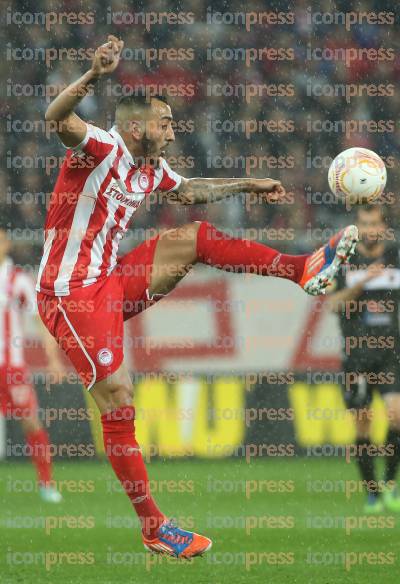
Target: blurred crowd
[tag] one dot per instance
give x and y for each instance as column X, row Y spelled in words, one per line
column 222, row 130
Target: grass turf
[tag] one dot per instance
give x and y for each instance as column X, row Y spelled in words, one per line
column 297, row 537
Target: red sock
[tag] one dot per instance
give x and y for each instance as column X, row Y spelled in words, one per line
column 38, row 443
column 126, row 459
column 218, row 249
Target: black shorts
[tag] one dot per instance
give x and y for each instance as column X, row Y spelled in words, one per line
column 369, row 371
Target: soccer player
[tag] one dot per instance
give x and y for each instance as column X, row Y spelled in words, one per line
column 17, row 395
column 105, row 177
column 365, row 295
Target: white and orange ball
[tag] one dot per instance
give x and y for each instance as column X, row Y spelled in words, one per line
column 357, row 176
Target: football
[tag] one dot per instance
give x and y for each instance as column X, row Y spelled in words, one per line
column 357, row 176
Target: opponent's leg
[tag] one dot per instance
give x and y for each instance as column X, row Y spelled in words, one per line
column 391, row 496
column 179, row 249
column 113, row 396
column 365, row 461
column 37, row 440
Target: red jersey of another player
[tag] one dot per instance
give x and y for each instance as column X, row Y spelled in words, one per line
column 97, row 192
column 17, row 294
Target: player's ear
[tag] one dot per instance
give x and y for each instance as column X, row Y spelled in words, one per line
column 136, row 129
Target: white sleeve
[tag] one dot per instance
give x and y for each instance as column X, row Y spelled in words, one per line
column 96, row 143
column 171, row 180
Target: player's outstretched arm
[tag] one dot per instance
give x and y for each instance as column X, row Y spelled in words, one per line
column 208, row 190
column 70, row 128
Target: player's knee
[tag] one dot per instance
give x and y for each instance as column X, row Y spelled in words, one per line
column 183, row 241
column 188, row 234
column 113, row 395
column 190, row 231
column 122, row 394
column 362, row 428
column 392, row 402
column 394, row 418
column 29, row 425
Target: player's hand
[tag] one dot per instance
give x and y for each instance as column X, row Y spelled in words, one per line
column 269, row 189
column 106, row 57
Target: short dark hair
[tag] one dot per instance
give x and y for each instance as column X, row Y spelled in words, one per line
column 370, row 207
column 134, row 107
column 139, row 100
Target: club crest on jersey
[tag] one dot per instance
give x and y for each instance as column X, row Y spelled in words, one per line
column 105, row 356
column 143, row 181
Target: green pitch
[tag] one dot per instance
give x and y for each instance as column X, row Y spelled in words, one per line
column 298, row 535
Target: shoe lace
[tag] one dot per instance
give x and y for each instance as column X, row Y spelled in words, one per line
column 170, row 531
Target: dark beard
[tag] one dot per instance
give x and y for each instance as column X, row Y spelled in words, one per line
column 147, row 159
column 146, row 145
column 370, row 244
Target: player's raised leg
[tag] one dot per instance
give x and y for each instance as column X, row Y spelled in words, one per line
column 113, row 396
column 179, row 249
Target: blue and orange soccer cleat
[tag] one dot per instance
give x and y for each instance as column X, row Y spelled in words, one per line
column 176, row 542
column 323, row 265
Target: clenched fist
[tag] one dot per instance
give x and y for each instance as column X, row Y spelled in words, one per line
column 106, row 57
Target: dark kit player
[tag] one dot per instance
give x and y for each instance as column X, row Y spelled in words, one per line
column 366, row 294
column 104, row 179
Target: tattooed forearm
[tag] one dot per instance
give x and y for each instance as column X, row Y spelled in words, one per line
column 208, row 190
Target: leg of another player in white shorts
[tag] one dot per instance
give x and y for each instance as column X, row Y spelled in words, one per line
column 391, row 495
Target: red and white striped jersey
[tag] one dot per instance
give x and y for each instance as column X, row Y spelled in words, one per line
column 98, row 189
column 17, row 295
